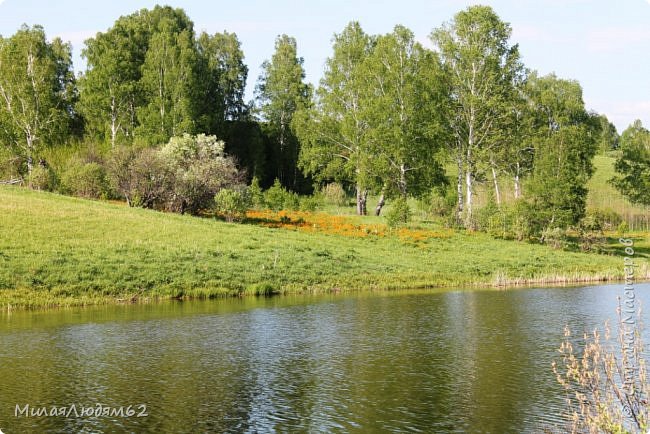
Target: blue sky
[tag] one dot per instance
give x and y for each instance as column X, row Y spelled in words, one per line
column 604, row 44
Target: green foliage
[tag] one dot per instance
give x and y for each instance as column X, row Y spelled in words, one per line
column 590, row 229
column 121, row 171
column 232, row 203
column 42, row 178
column 556, row 238
column 148, row 179
column 603, row 219
column 256, row 194
column 565, row 146
column 149, row 78
column 223, row 74
column 485, row 74
column 38, row 92
column 280, row 92
column 85, row 179
column 399, row 213
column 633, row 165
column 510, row 221
column 110, row 88
column 169, row 80
column 405, row 103
column 12, row 166
column 311, row 203
column 440, row 201
column 333, row 137
column 278, row 198
column 334, row 194
column 200, row 169
column 609, row 138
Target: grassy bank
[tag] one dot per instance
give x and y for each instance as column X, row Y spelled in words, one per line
column 57, row 250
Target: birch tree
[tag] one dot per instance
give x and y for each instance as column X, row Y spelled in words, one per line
column 483, row 69
column 37, row 91
column 334, row 133
column 405, row 103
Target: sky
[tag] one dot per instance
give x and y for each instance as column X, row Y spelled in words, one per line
column 604, row 44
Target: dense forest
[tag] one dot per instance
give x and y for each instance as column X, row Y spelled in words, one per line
column 158, row 118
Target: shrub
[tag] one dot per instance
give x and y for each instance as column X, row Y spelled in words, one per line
column 199, row 170
column 311, row 203
column 119, row 171
column 399, row 213
column 150, row 180
column 84, row 179
column 441, row 201
column 276, row 198
column 232, row 203
column 42, row 178
column 334, row 194
column 256, row 194
column 555, row 237
column 12, row 166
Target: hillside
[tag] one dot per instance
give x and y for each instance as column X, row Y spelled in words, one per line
column 57, row 250
column 604, row 197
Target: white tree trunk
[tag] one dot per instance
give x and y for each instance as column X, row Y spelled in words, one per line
column 497, row 192
column 517, row 184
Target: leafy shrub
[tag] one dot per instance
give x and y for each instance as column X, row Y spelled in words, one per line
column 232, row 203
column 149, row 181
column 592, row 238
column 84, row 179
column 623, row 228
column 311, row 203
column 593, row 241
column 399, row 213
column 607, row 219
column 200, row 169
column 490, row 219
column 119, row 168
column 441, row 201
column 12, row 166
column 256, row 194
column 276, row 198
column 42, row 178
column 334, row 194
column 184, row 175
column 555, row 237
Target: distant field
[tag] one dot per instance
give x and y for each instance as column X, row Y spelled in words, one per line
column 57, row 250
column 603, row 196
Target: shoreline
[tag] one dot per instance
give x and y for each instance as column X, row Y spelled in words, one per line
column 221, row 293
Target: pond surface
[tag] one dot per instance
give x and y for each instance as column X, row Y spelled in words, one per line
column 465, row 361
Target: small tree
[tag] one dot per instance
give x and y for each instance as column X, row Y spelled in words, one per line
column 232, row 203
column 277, row 198
column 633, row 166
column 399, row 214
column 256, row 194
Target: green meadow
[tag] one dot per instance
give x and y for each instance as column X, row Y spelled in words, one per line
column 58, row 251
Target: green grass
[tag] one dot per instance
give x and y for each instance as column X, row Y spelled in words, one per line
column 57, row 250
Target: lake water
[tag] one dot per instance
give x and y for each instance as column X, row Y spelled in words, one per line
column 459, row 361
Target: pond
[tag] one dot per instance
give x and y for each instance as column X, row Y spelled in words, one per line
column 452, row 361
